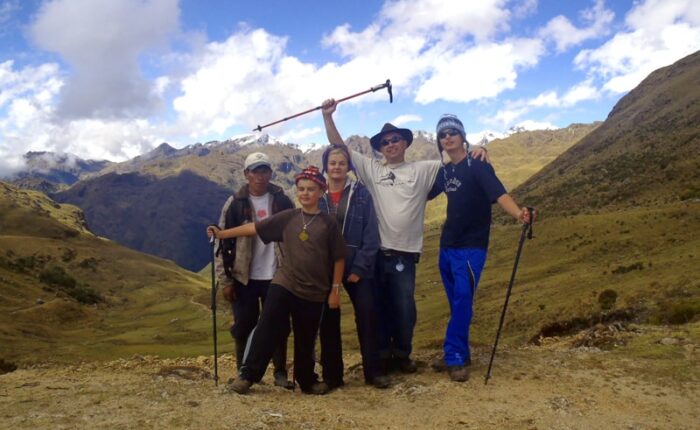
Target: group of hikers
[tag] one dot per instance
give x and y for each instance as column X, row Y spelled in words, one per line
column 364, row 237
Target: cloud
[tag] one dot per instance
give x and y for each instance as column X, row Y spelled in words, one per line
column 25, row 109
column 535, row 125
column 466, row 79
column 564, row 34
column 506, row 117
column 28, row 99
column 101, row 40
column 296, row 135
column 405, row 119
column 657, row 33
column 446, row 19
column 416, row 40
column 246, row 80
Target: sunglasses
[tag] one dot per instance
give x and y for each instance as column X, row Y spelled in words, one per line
column 448, row 132
column 393, row 139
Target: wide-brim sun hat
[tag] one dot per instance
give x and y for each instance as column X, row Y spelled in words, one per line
column 376, row 140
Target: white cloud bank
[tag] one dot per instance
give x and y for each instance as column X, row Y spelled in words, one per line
column 103, row 106
column 657, row 33
column 101, row 41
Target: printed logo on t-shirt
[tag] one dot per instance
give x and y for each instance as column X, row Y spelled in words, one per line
column 391, row 180
column 452, row 185
column 261, row 214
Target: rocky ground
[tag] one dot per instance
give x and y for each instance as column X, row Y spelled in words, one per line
column 565, row 383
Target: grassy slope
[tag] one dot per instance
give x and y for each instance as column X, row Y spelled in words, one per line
column 568, row 264
column 150, row 306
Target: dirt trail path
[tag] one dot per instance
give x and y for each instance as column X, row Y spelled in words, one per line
column 550, row 387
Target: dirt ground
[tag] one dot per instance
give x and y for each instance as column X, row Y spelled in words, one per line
column 554, row 386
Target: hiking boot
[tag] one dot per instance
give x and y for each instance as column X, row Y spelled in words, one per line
column 380, row 381
column 458, row 373
column 281, row 380
column 319, row 388
column 240, row 386
column 406, row 365
column 334, row 383
column 438, row 364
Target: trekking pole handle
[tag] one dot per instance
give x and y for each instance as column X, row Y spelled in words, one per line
column 212, row 239
column 531, row 211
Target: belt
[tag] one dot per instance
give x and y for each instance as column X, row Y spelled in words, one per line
column 395, row 253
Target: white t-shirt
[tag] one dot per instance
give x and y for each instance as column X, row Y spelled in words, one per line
column 400, row 192
column 263, row 263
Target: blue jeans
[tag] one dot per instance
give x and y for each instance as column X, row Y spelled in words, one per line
column 396, row 304
column 460, row 269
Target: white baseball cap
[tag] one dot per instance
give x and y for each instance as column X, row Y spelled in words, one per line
column 256, row 159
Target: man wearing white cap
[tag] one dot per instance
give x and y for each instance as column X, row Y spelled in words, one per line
column 245, row 266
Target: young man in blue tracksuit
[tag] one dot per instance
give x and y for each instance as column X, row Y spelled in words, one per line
column 471, row 187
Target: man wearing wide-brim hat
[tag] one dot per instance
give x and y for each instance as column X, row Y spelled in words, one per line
column 399, row 190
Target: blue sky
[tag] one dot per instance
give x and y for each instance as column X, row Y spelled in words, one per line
column 108, row 79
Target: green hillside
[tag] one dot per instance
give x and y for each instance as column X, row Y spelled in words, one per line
column 645, row 153
column 521, row 155
column 66, row 294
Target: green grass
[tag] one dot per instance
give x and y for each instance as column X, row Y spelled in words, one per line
column 566, row 266
column 148, row 305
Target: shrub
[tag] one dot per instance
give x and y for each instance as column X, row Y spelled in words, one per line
column 624, row 269
column 58, row 277
column 679, row 313
column 607, row 299
column 85, row 295
column 89, row 263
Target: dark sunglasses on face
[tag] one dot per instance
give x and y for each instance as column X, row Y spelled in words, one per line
column 448, row 132
column 393, row 139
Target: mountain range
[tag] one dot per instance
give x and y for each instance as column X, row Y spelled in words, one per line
column 157, row 201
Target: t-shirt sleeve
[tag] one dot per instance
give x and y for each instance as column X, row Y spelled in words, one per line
column 427, row 172
column 488, row 180
column 363, row 166
column 336, row 245
column 270, row 229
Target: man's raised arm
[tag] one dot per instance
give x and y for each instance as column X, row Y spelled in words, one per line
column 328, row 107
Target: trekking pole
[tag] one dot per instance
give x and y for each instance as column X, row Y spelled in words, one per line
column 527, row 229
column 212, row 241
column 386, row 85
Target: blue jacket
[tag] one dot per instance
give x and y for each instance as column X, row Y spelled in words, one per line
column 360, row 230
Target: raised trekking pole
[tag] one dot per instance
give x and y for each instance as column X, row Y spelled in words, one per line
column 212, row 241
column 527, row 230
column 386, row 85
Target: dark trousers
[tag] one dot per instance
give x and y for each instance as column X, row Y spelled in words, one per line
column 396, row 305
column 363, row 301
column 306, row 316
column 246, row 311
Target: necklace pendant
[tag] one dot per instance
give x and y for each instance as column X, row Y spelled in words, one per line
column 303, row 235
